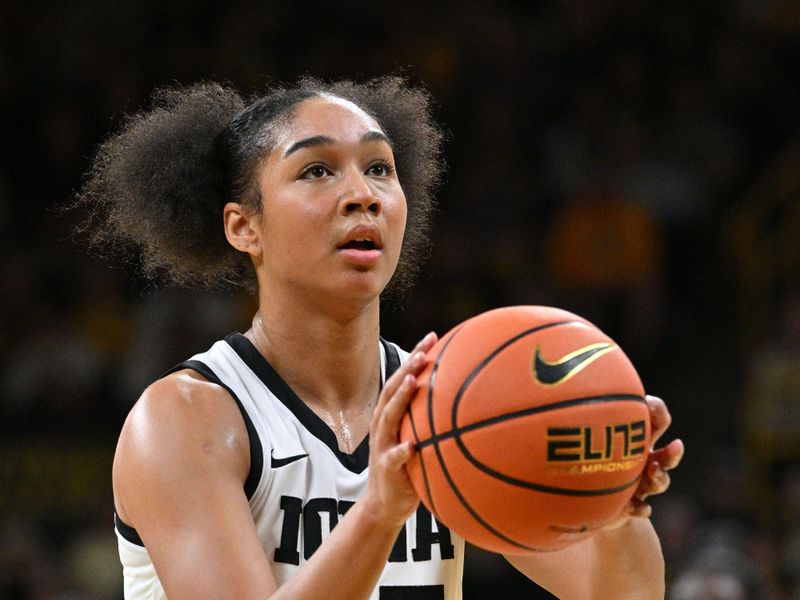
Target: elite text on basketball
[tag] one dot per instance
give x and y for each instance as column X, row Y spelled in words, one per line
column 617, row 444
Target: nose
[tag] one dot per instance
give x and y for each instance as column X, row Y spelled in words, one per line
column 358, row 195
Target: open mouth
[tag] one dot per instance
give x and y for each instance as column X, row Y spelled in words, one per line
column 359, row 245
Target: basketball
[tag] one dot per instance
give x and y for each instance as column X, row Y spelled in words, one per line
column 531, row 430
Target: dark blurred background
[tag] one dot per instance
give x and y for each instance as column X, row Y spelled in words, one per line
column 635, row 162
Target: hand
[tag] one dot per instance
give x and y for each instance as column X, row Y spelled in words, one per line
column 390, row 494
column 655, row 478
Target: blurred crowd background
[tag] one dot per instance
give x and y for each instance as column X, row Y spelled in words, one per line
column 637, row 162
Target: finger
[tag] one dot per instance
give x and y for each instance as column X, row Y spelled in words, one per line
column 660, row 418
column 670, row 455
column 392, row 414
column 391, row 386
column 426, row 343
column 380, row 416
column 414, row 364
column 656, row 481
column 399, row 455
column 639, row 509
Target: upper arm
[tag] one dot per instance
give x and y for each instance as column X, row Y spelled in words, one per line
column 179, row 469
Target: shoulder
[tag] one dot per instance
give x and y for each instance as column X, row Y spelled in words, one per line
column 182, row 425
column 182, row 401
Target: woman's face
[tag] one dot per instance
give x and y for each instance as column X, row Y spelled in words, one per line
column 333, row 210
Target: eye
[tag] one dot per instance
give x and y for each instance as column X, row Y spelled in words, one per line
column 380, row 169
column 315, row 171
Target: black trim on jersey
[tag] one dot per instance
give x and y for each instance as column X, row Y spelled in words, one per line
column 126, row 531
column 392, row 359
column 355, row 462
column 256, row 451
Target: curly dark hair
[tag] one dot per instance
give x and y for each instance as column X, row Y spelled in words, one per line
column 159, row 185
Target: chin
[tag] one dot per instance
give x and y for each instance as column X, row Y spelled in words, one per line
column 366, row 287
column 362, row 286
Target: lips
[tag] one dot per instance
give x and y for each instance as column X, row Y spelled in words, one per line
column 362, row 247
column 362, row 237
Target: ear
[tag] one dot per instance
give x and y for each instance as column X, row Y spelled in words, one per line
column 242, row 228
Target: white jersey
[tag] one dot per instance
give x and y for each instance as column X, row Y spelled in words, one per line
column 300, row 484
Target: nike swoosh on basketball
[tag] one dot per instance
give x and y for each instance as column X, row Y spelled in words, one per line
column 552, row 373
column 276, row 463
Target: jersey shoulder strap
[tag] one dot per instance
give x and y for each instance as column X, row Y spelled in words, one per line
column 392, row 358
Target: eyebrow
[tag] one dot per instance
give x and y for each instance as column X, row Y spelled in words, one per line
column 377, row 136
column 322, row 140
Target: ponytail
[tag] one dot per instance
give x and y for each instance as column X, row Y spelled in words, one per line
column 157, row 186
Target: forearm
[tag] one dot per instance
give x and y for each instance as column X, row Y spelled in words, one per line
column 628, row 562
column 349, row 562
column 621, row 563
column 353, row 556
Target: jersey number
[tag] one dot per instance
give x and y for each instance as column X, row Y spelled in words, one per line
column 411, row 592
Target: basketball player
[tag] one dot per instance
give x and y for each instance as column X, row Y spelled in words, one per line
column 269, row 466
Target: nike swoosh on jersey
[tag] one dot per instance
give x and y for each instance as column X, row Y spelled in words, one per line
column 553, row 373
column 276, row 463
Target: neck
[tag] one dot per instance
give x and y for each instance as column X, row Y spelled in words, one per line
column 331, row 361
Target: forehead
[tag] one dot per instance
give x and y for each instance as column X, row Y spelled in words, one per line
column 329, row 116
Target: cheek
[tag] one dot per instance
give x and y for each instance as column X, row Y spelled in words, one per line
column 397, row 212
column 396, row 215
column 291, row 214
